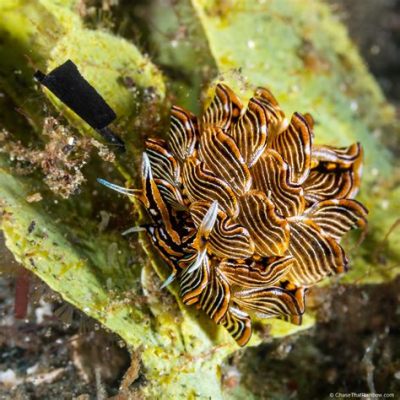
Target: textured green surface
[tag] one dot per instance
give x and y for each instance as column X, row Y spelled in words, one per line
column 308, row 62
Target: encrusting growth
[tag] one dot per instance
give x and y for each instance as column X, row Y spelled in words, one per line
column 246, row 211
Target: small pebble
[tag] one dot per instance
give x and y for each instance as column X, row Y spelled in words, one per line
column 34, row 198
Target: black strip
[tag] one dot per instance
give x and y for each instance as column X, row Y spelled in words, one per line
column 74, row 90
column 111, row 137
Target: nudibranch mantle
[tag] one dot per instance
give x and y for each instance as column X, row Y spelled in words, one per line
column 247, row 212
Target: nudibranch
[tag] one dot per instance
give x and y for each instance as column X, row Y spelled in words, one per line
column 247, row 212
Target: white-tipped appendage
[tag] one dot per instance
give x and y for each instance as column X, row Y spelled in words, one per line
column 146, row 167
column 134, row 229
column 205, row 228
column 168, row 281
column 119, row 189
column 197, row 263
column 208, row 222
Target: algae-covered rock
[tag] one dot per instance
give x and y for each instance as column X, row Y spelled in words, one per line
column 305, row 58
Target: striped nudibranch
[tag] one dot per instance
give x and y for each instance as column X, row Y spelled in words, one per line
column 246, row 210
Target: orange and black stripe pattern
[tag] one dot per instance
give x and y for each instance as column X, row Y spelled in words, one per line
column 246, row 210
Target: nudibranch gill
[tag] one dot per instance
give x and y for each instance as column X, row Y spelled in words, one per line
column 247, row 212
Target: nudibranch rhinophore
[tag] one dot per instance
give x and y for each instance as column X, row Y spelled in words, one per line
column 246, row 210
